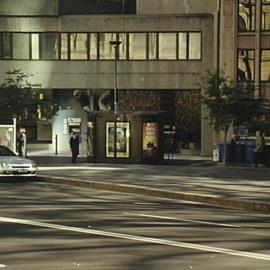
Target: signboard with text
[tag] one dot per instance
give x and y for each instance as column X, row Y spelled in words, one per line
column 150, row 139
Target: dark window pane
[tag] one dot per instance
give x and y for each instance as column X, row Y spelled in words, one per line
column 265, row 65
column 246, row 16
column 49, row 45
column 6, row 45
column 245, row 71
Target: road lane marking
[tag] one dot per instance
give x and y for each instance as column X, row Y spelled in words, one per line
column 182, row 219
column 2, row 265
column 144, row 203
column 251, row 255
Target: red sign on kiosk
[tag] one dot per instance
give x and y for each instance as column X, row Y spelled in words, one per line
column 150, row 139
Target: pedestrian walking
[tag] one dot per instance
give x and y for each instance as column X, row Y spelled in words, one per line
column 21, row 143
column 74, row 146
column 171, row 147
column 259, row 149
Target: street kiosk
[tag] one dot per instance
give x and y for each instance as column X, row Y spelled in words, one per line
column 126, row 138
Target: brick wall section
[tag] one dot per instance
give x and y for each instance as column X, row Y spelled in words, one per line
column 139, row 100
column 183, row 107
column 188, row 115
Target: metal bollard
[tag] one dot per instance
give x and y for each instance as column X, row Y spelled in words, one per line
column 56, row 144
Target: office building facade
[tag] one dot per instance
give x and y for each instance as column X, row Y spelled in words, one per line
column 166, row 47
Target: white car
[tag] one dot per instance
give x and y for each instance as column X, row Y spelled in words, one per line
column 12, row 165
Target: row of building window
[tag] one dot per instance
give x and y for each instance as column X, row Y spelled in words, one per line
column 96, row 46
column 246, row 65
column 247, row 13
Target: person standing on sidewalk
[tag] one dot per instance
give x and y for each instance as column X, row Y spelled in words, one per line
column 259, row 149
column 21, row 143
column 74, row 146
column 233, row 145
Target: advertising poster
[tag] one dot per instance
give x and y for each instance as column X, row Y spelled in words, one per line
column 150, row 139
column 7, row 137
column 122, row 139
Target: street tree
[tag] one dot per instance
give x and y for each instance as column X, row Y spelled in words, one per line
column 231, row 104
column 18, row 97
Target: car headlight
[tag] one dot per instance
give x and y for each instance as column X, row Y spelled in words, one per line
column 5, row 165
column 33, row 164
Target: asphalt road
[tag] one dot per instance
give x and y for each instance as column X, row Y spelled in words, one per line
column 46, row 226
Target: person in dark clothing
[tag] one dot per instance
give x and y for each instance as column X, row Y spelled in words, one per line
column 233, row 145
column 74, row 146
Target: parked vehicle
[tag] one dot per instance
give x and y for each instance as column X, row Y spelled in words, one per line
column 13, row 165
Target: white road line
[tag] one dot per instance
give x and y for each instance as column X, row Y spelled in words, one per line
column 187, row 220
column 144, row 203
column 2, row 265
column 250, row 255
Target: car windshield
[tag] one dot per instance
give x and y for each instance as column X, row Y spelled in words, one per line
column 4, row 151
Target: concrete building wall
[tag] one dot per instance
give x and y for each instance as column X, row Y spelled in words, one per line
column 176, row 6
column 228, row 46
column 29, row 7
column 109, row 23
column 133, row 23
column 157, row 74
column 100, row 74
column 152, row 75
column 28, row 24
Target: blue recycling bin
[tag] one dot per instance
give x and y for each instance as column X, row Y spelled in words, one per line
column 239, row 153
column 249, row 152
column 221, row 151
column 234, row 152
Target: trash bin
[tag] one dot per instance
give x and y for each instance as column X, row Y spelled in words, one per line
column 215, row 155
column 228, row 151
column 249, row 153
column 239, row 152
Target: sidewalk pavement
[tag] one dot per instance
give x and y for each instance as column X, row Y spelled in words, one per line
column 198, row 180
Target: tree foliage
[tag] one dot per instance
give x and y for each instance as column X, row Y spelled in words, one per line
column 18, row 97
column 230, row 103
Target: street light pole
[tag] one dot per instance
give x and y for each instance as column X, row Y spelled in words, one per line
column 115, row 44
column 123, row 6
